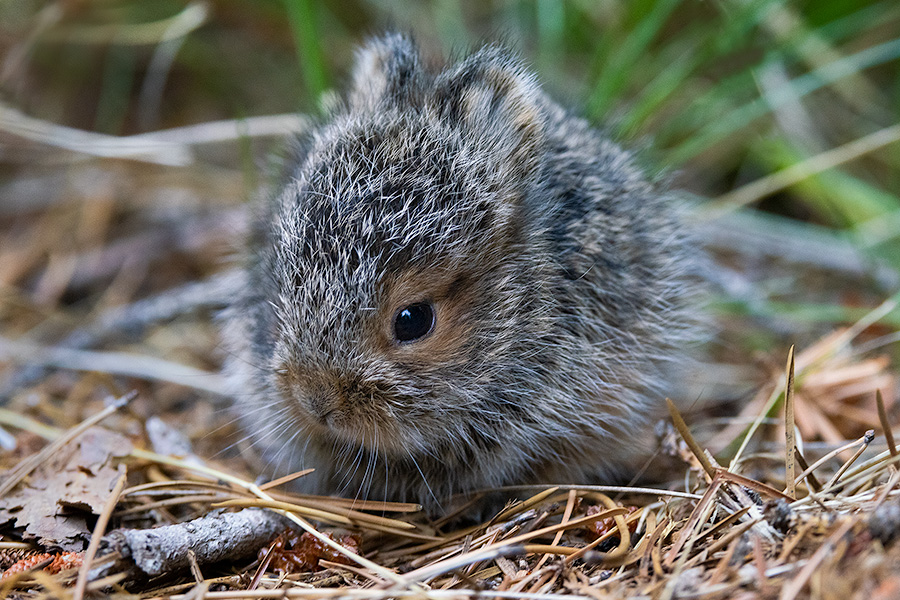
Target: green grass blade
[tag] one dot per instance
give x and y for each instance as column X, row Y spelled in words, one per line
column 302, row 18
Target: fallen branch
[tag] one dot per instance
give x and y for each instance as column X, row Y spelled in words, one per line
column 220, row 537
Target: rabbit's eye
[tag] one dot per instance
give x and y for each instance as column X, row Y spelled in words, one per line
column 413, row 322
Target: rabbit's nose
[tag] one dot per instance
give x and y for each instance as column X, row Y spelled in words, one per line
column 322, row 405
column 332, row 402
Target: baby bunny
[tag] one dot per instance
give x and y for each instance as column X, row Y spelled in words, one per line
column 460, row 286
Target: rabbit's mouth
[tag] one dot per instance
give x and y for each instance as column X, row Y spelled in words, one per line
column 322, row 404
column 352, row 423
column 354, row 411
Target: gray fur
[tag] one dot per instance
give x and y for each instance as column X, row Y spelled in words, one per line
column 560, row 277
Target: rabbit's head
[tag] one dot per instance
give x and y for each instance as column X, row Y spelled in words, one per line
column 409, row 304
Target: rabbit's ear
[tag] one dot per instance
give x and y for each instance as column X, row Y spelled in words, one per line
column 387, row 69
column 492, row 96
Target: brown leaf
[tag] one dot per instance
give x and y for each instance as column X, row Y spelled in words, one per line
column 52, row 505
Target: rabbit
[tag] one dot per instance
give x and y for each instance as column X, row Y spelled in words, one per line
column 458, row 286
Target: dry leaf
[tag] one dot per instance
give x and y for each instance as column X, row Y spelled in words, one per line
column 53, row 504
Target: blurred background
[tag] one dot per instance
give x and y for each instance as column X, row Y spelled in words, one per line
column 726, row 90
column 133, row 134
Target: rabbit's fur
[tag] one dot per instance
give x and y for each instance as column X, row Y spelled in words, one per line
column 559, row 276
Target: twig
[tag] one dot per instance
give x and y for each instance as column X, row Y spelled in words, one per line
column 682, row 428
column 97, row 536
column 349, row 517
column 229, row 130
column 867, row 439
column 168, row 148
column 132, row 319
column 286, row 479
column 190, row 18
column 254, row 489
column 789, row 432
column 810, row 476
column 217, row 475
column 567, row 514
column 115, row 363
column 430, row 571
column 525, row 505
column 806, row 359
column 829, row 456
column 885, row 423
column 100, row 145
column 804, row 169
column 224, row 536
column 375, row 594
column 606, row 489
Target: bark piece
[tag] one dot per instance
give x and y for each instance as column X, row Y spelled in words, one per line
column 216, row 538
